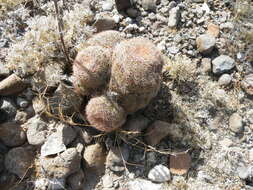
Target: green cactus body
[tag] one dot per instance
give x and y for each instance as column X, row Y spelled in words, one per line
column 104, row 114
column 91, row 69
column 136, row 73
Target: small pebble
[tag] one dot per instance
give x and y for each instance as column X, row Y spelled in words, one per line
column 225, row 80
column 235, row 123
column 159, row 173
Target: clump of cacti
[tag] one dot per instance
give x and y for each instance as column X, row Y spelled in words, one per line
column 105, row 114
column 136, row 73
column 128, row 72
column 91, row 69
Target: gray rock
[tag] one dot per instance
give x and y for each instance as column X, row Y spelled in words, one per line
column 21, row 117
column 149, row 5
column 235, row 123
column 36, row 131
column 122, row 5
column 58, row 141
column 142, row 184
column 54, row 183
column 3, row 116
column 132, row 12
column 247, row 84
column 222, row 64
column 63, row 165
column 104, row 22
column 246, row 172
column 18, row 160
column 22, row 102
column 159, row 173
column 76, row 181
column 225, row 80
column 9, row 107
column 205, row 43
column 116, row 158
column 174, row 17
column 12, row 134
column 107, row 6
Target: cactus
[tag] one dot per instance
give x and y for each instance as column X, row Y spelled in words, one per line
column 136, row 73
column 91, row 69
column 107, row 39
column 105, row 114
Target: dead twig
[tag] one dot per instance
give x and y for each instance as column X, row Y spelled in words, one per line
column 61, row 29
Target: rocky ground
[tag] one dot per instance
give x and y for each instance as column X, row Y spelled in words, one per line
column 195, row 134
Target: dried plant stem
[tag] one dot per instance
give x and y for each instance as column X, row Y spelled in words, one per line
column 61, row 28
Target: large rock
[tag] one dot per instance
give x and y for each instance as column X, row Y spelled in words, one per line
column 12, row 85
column 63, row 165
column 18, row 161
column 58, row 141
column 37, row 131
column 222, row 64
column 12, row 134
column 205, row 43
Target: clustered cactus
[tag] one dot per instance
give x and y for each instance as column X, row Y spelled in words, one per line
column 121, row 76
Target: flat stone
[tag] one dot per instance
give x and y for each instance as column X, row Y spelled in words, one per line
column 58, row 141
column 36, row 131
column 205, row 43
column 235, row 123
column 247, row 84
column 18, row 161
column 12, row 134
column 222, row 64
column 180, row 163
column 63, row 165
column 159, row 173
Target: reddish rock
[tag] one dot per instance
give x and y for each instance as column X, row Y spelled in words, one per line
column 180, row 163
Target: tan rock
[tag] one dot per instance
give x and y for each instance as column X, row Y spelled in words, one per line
column 213, row 29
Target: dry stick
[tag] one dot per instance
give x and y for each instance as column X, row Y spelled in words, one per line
column 61, row 28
